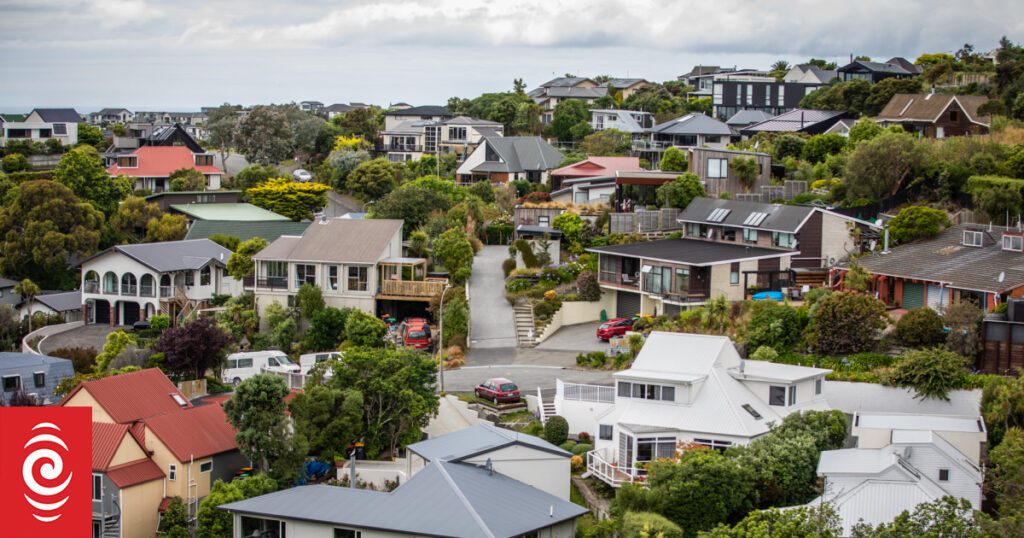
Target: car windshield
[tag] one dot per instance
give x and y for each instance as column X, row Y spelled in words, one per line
column 509, row 387
column 417, row 335
column 283, row 360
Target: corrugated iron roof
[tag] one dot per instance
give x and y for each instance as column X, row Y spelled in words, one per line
column 132, row 473
column 469, row 442
column 105, row 440
column 160, row 161
column 194, row 433
column 339, row 240
column 132, row 396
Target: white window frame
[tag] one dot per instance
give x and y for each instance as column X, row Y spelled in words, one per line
column 975, row 238
column 1016, row 242
column 718, row 168
column 208, row 465
column 749, row 235
column 791, row 395
column 172, row 472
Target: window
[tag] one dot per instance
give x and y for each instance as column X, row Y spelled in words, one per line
column 750, row 94
column 204, row 160
column 332, row 278
column 97, row 487
column 655, row 448
column 712, row 139
column 204, row 276
column 609, row 266
column 792, row 395
column 782, row 95
column 954, row 116
column 715, row 444
column 728, row 234
column 668, row 393
column 346, row 533
column 12, row 383
column 1013, row 242
column 777, row 396
column 305, row 273
column 276, row 269
column 753, row 412
column 784, row 240
column 456, row 133
column 656, row 279
column 734, row 273
column 172, row 472
column 605, row 432
column 239, row 363
column 972, row 238
column 623, row 389
column 682, row 281
column 45, row 133
column 749, row 235
column 190, row 278
column 39, row 378
column 357, row 279
column 206, row 467
column 179, row 399
column 943, row 475
column 543, row 220
column 817, row 386
column 644, row 391
column 128, row 161
column 718, row 168
column 717, row 95
column 60, row 128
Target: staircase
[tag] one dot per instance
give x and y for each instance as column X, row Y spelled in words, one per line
column 547, row 407
column 112, row 527
column 526, row 330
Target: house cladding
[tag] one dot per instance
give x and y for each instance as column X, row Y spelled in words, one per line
column 936, row 115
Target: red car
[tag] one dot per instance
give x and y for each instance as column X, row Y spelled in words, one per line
column 497, row 390
column 614, row 327
column 416, row 333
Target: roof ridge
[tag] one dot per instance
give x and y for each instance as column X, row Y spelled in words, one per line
column 462, row 498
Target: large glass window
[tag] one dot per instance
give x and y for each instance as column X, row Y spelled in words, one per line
column 204, row 276
column 605, row 432
column 749, row 235
column 655, row 448
column 357, row 279
column 777, row 396
column 784, row 240
column 682, row 281
column 609, row 266
column 305, row 273
column 734, row 273
column 718, row 168
column 276, row 269
column 332, row 278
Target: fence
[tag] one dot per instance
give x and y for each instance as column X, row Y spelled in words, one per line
column 644, row 221
column 43, row 332
column 787, row 191
column 584, row 393
column 902, row 197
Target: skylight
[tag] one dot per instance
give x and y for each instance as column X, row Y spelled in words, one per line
column 753, row 412
column 181, row 401
column 755, row 219
column 718, row 215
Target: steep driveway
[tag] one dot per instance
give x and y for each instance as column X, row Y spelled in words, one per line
column 492, row 325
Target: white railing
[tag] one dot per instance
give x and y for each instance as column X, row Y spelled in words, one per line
column 584, row 393
column 294, row 381
column 603, row 465
column 540, row 407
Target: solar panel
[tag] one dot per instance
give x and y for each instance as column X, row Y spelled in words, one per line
column 718, row 215
column 755, row 219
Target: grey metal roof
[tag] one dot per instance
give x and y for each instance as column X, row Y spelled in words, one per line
column 172, row 255
column 944, row 259
column 246, row 230
column 339, row 108
column 692, row 124
column 61, row 302
column 579, row 93
column 7, row 283
column 471, row 441
column 798, row 120
column 779, row 217
column 695, row 252
column 425, row 110
column 10, row 359
column 875, row 67
column 467, row 120
column 66, row 115
column 622, row 83
column 563, row 81
column 336, row 240
column 443, row 499
column 112, row 111
column 747, row 117
column 519, row 153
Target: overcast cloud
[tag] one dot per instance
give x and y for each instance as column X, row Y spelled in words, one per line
column 183, row 54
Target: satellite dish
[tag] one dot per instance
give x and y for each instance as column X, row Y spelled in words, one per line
column 1001, row 277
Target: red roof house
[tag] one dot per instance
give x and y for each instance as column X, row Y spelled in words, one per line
column 593, row 167
column 153, row 165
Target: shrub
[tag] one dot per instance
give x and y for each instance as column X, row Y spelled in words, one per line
column 476, row 244
column 15, row 162
column 932, row 373
column 846, row 323
column 82, row 358
column 920, row 327
column 508, row 266
column 774, row 324
column 581, row 448
column 621, row 360
column 644, row 524
column 582, row 360
column 597, row 359
column 576, row 463
column 586, row 285
column 556, row 430
column 765, row 353
column 584, row 437
column 567, row 446
column 916, row 222
column 550, row 295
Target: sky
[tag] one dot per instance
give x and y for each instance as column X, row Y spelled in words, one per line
column 179, row 55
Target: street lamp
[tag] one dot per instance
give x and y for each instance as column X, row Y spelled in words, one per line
column 440, row 337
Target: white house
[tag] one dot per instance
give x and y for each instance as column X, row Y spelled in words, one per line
column 129, row 283
column 42, row 124
column 67, row 304
column 684, row 388
column 902, row 460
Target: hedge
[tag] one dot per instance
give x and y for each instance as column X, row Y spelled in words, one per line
column 979, row 183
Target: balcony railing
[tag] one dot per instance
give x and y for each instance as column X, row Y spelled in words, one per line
column 110, row 290
column 603, row 465
column 129, row 289
column 622, row 280
column 267, row 283
column 166, row 291
column 584, row 393
column 411, row 288
column 650, row 145
column 146, row 291
column 91, row 286
column 412, row 148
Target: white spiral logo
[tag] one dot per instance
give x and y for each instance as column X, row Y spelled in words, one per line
column 50, row 470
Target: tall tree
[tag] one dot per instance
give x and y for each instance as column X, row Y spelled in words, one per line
column 166, row 228
column 222, row 123
column 187, row 179
column 81, row 170
column 240, row 264
column 264, row 136
column 682, row 191
column 361, row 122
column 132, row 216
column 371, row 179
column 411, row 203
column 28, row 291
column 193, row 348
column 292, row 199
column 673, row 160
column 879, row 167
column 256, row 411
column 746, row 170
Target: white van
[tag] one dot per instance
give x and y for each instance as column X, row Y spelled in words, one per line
column 309, row 360
column 242, row 366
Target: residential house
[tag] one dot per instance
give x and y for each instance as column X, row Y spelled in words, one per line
column 797, row 121
column 461, row 135
column 703, row 78
column 446, row 498
column 504, row 159
column 875, row 71
column 689, row 388
column 554, row 91
column 166, row 199
column 399, row 106
column 591, row 168
column 745, row 117
column 670, row 275
column 43, row 124
column 190, row 447
column 762, row 93
column 902, row 461
column 822, row 237
column 37, row 376
column 311, row 106
column 153, row 165
column 111, row 115
column 809, row 74
column 337, row 109
column 7, row 295
column 713, row 169
column 627, row 86
column 244, row 230
column 356, row 263
column 691, row 130
column 936, row 115
column 139, row 134
column 412, row 132
column 67, row 304
column 841, row 127
column 128, row 283
column 170, row 118
column 634, row 122
column 239, row 212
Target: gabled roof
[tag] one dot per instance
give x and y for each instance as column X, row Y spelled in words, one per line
column 112, row 111
column 928, row 107
column 747, row 117
column 339, row 108
column 229, row 212
column 696, row 252
column 106, row 438
column 195, row 432
column 564, row 82
column 425, row 110
column 692, row 124
column 17, row 359
column 479, row 439
column 132, row 396
column 777, row 217
column 624, row 119
column 61, row 302
column 166, row 256
column 160, row 161
column 906, row 64
column 443, row 499
column 578, row 93
column 13, row 117
column 519, row 154
column 8, row 283
column 57, row 115
column 466, row 120
column 598, row 166
column 798, row 120
column 944, row 259
column 699, row 70
column 246, row 230
column 622, row 83
column 135, row 472
column 875, row 67
column 336, row 240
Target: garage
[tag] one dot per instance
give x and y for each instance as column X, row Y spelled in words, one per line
column 101, row 312
column 937, row 295
column 672, row 310
column 131, row 313
column 627, row 304
column 913, row 295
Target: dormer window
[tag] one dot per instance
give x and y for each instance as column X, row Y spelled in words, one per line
column 128, row 161
column 204, row 160
column 1013, row 242
column 972, row 238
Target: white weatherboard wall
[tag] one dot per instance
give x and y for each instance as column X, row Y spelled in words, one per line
column 582, row 416
column 544, row 471
column 309, row 529
column 851, row 397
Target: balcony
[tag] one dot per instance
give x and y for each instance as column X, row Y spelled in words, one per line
column 649, row 145
column 166, row 291
column 620, row 280
column 410, row 289
column 602, row 464
column 91, row 286
column 403, row 148
column 146, row 290
column 129, row 289
column 273, row 283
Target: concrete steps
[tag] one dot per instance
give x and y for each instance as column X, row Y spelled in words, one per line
column 526, row 331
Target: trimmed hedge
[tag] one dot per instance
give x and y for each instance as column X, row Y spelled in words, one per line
column 978, row 183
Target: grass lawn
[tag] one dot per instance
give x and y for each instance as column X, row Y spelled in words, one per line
column 575, row 495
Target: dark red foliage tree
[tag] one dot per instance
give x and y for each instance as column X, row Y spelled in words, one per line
column 194, row 347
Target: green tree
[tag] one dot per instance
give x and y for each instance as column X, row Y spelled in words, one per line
column 452, row 250
column 947, row 517
column 256, row 411
column 166, row 228
column 556, row 430
column 820, row 521
column 227, row 241
column 777, row 325
column 371, row 179
column 187, row 179
column 214, row 523
column 117, row 341
column 363, row 329
column 326, row 330
column 264, row 136
column 788, row 146
column 932, row 373
column 673, row 160
column 606, row 142
column 920, row 327
column 648, row 525
column 1004, row 480
column 746, row 170
column 91, row 135
column 917, row 222
column 482, row 190
column 882, row 91
column 81, row 170
column 43, row 225
column 571, row 226
column 240, row 264
column 253, row 175
column 845, row 323
column 682, row 191
column 864, row 129
column 413, row 204
column 132, row 216
column 819, row 147
column 880, row 166
column 310, row 300
column 998, row 201
column 330, row 417
column 222, row 124
column 15, row 162
column 292, row 199
column 174, row 522
column 566, row 115
column 28, row 291
column 456, row 318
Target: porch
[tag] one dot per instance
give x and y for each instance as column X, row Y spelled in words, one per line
column 603, row 465
column 404, row 279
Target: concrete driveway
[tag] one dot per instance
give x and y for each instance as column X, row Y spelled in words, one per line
column 580, row 338
column 492, row 324
column 94, row 336
column 528, row 377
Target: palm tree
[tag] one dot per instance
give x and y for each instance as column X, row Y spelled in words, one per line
column 781, row 65
column 716, row 313
column 746, row 170
column 28, row 291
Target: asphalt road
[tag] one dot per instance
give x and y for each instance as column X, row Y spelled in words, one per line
column 493, row 325
column 528, row 377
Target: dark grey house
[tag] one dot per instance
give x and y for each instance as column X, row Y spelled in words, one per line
column 35, row 375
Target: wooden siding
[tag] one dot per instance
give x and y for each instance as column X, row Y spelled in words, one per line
column 730, row 184
column 530, row 216
column 1003, row 350
column 808, row 242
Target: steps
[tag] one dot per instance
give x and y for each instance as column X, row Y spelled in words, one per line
column 112, row 527
column 526, row 331
column 548, row 409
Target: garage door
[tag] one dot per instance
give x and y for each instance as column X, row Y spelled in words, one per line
column 627, row 304
column 913, row 295
column 672, row 310
column 937, row 295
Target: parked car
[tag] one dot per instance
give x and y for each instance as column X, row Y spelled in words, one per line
column 309, row 360
column 614, row 327
column 497, row 390
column 242, row 366
column 302, row 176
column 415, row 332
